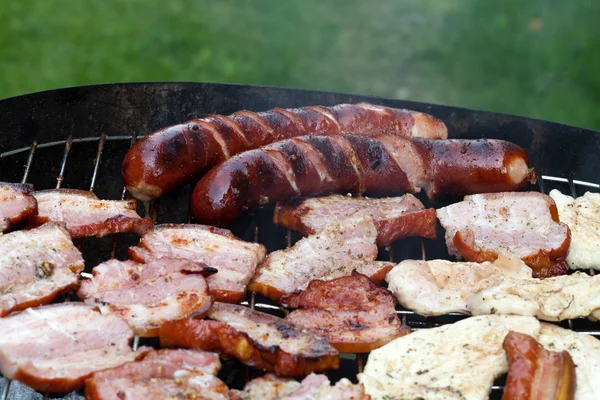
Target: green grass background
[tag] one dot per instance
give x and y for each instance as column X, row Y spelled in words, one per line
column 539, row 58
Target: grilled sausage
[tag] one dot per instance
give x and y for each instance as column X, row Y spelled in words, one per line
column 383, row 165
column 177, row 154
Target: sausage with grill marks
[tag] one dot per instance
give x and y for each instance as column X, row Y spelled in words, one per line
column 177, row 154
column 383, row 165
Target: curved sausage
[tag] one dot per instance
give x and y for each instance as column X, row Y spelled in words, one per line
column 175, row 155
column 383, row 165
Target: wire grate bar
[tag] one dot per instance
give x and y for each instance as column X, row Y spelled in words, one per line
column 101, row 142
column 61, row 175
column 29, row 161
column 5, row 389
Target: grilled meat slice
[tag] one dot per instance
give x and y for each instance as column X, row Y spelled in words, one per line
column 319, row 387
column 457, row 361
column 351, row 312
column 270, row 387
column 525, row 224
column 394, row 217
column 35, row 266
column 235, row 259
column 506, row 287
column 86, row 215
column 147, row 295
column 536, row 373
column 162, row 374
column 438, row 287
column 16, row 204
column 267, row 387
column 55, row 348
column 340, row 248
column 257, row 339
column 585, row 352
column 582, row 215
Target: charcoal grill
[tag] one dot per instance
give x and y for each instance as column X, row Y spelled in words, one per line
column 77, row 138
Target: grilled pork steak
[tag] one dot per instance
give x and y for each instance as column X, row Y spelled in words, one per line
column 340, row 248
column 16, row 204
column 394, row 217
column 352, row 313
column 257, row 339
column 235, row 259
column 147, row 295
column 86, row 215
column 35, row 266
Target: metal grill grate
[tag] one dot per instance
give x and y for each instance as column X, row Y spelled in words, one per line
column 256, row 228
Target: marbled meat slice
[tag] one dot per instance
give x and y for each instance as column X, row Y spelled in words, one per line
column 235, row 259
column 456, row 361
column 582, row 215
column 351, row 312
column 394, row 217
column 340, row 248
column 161, row 374
column 257, row 339
column 16, row 204
column 314, row 386
column 525, row 224
column 55, row 348
column 147, row 295
column 35, row 266
column 86, row 215
column 585, row 352
column 536, row 373
column 267, row 387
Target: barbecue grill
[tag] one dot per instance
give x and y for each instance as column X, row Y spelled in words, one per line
column 77, row 138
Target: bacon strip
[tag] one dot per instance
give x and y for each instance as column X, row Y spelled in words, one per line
column 340, row 248
column 525, row 224
column 55, row 348
column 536, row 373
column 162, row 374
column 394, row 217
column 86, row 215
column 352, row 313
column 35, row 266
column 235, row 259
column 257, row 339
column 16, row 204
column 147, row 295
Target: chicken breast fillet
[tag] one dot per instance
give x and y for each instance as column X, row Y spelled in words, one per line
column 582, row 215
column 457, row 361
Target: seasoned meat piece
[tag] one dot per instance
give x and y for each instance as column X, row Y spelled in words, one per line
column 506, row 287
column 524, row 224
column 394, row 217
column 536, row 373
column 457, row 361
column 35, row 266
column 147, row 295
column 268, row 387
column 340, row 248
column 162, row 374
column 86, row 215
column 585, row 352
column 352, row 313
column 257, row 339
column 582, row 215
column 16, row 204
column 318, row 387
column 55, row 348
column 235, row 259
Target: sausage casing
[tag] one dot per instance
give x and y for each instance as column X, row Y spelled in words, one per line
column 172, row 156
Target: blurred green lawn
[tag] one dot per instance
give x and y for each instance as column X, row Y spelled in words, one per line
column 539, row 58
